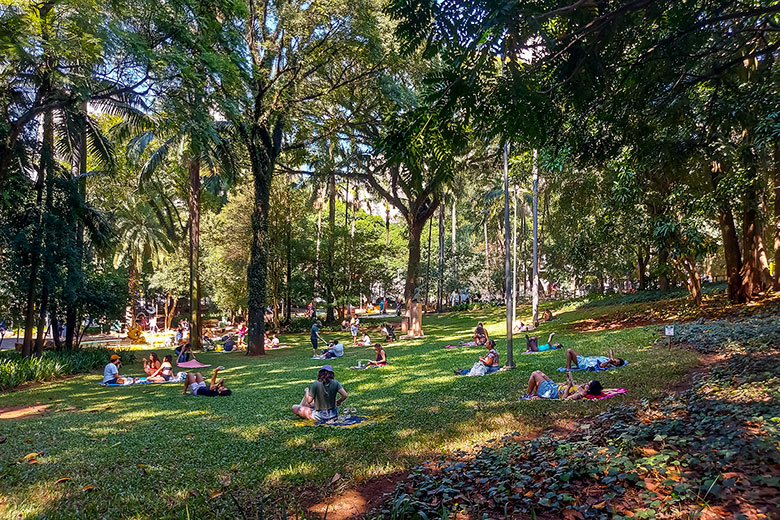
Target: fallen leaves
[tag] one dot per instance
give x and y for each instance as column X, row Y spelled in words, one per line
column 62, row 480
column 216, row 493
column 335, row 478
column 88, row 488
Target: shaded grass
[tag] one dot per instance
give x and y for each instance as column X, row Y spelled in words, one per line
column 97, row 436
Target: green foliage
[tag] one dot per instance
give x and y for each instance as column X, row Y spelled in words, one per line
column 16, row 370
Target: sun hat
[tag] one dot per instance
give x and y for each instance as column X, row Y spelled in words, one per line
column 327, row 367
column 114, row 357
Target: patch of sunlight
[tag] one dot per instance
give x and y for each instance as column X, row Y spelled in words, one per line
column 296, row 471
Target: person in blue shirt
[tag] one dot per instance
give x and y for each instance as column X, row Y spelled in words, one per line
column 315, row 336
column 111, row 372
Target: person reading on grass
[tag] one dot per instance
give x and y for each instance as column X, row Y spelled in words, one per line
column 480, row 335
column 164, row 373
column 321, row 400
column 381, row 356
column 592, row 363
column 111, row 372
column 197, row 385
column 152, row 364
column 486, row 364
column 541, row 386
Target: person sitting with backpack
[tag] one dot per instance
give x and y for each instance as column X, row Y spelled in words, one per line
column 486, row 365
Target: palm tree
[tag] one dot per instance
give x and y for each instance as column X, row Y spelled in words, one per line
column 140, row 239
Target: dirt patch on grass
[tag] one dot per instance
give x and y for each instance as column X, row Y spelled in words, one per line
column 358, row 501
column 21, row 412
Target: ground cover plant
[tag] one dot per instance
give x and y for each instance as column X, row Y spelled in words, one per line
column 709, row 452
column 147, row 451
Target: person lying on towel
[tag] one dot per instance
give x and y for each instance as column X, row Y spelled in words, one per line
column 381, row 356
column 486, row 365
column 111, row 372
column 592, row 363
column 321, row 400
column 539, row 385
column 197, row 385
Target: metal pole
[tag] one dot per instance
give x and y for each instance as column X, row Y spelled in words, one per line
column 514, row 257
column 509, row 292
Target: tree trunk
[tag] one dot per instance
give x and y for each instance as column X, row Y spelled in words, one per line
column 642, row 261
column 288, row 284
column 535, row 254
column 75, row 269
column 132, row 293
column 756, row 277
column 194, row 208
column 263, row 161
column 55, row 327
column 440, row 288
column 731, row 254
column 777, row 214
column 330, row 316
column 428, row 269
column 413, row 264
column 455, row 252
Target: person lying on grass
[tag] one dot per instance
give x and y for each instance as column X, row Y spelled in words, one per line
column 480, row 335
column 541, row 386
column 381, row 356
column 111, row 372
column 164, row 373
column 152, row 364
column 320, row 400
column 573, row 358
column 486, row 365
column 197, row 385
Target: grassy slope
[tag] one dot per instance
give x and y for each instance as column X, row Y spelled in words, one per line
column 98, row 435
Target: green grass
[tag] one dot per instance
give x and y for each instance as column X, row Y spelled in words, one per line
column 97, row 436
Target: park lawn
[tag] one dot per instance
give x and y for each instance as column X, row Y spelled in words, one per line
column 150, row 452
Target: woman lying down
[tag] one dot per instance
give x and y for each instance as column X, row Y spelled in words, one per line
column 542, row 387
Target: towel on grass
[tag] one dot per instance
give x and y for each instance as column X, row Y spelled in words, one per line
column 605, row 394
column 590, row 369
column 345, row 421
column 192, row 364
column 367, row 366
column 143, row 381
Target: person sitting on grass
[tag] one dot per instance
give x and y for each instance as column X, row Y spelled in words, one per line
column 541, row 386
column 164, row 373
column 486, row 365
column 389, row 332
column 365, row 341
column 230, row 344
column 335, row 349
column 275, row 343
column 111, row 372
column 592, row 363
column 381, row 356
column 480, row 335
column 184, row 353
column 519, row 326
column 152, row 364
column 320, row 400
column 197, row 385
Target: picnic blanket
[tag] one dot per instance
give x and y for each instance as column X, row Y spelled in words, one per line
column 540, row 350
column 363, row 367
column 605, row 394
column 143, row 381
column 192, row 364
column 346, row 421
column 590, row 369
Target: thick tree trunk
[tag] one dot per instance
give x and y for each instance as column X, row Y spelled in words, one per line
column 756, row 277
column 777, row 214
column 440, row 288
column 428, row 269
column 194, row 208
column 330, row 316
column 413, row 263
column 263, row 161
column 731, row 254
column 75, row 269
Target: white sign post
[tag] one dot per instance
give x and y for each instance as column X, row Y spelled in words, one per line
column 669, row 332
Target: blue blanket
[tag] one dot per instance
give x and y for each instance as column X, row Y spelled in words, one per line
column 591, row 369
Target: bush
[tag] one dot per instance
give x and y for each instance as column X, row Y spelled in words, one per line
column 16, row 370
